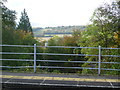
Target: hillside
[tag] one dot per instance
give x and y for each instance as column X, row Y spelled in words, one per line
column 60, row 29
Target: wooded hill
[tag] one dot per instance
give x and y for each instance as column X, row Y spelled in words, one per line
column 60, row 29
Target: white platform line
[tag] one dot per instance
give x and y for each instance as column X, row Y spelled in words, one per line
column 42, row 82
column 111, row 84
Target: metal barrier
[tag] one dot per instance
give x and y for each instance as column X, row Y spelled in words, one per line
column 35, row 54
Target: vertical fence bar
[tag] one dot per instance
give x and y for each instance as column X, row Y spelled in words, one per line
column 34, row 58
column 99, row 60
column 0, row 44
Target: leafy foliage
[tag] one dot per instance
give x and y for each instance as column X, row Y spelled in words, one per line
column 11, row 36
column 63, row 41
column 103, row 31
column 8, row 18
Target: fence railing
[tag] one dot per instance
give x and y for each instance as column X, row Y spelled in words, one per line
column 99, row 55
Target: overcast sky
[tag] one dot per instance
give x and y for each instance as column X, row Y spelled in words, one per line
column 44, row 13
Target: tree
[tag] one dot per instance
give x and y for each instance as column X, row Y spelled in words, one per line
column 8, row 18
column 104, row 31
column 105, row 28
column 8, row 23
column 107, row 19
column 24, row 23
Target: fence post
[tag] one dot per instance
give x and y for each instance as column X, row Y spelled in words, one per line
column 99, row 61
column 34, row 58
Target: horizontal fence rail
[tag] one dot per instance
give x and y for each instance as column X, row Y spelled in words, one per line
column 55, row 46
column 59, row 61
column 99, row 62
column 17, row 45
column 67, row 47
column 61, row 54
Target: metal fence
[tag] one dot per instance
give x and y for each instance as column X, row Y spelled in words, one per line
column 99, row 55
